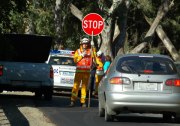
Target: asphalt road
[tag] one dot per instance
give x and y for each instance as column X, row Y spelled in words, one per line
column 59, row 113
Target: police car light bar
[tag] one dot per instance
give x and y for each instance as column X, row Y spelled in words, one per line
column 62, row 52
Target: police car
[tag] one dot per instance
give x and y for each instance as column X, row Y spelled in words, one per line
column 64, row 68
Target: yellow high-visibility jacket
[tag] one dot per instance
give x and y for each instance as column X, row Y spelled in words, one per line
column 78, row 59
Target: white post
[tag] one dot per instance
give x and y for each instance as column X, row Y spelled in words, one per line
column 89, row 99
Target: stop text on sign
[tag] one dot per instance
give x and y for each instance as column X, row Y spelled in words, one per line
column 92, row 24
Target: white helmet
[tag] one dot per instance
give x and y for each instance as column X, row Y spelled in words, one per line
column 84, row 40
column 99, row 53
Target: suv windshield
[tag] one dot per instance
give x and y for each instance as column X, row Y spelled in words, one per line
column 55, row 60
column 146, row 65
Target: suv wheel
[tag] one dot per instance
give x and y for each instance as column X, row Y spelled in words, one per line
column 48, row 94
column 38, row 94
column 177, row 118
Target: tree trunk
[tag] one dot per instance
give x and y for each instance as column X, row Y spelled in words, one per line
column 168, row 44
column 29, row 26
column 163, row 9
column 58, row 22
column 76, row 12
column 29, row 29
column 119, row 46
column 110, row 30
column 166, row 41
column 107, row 38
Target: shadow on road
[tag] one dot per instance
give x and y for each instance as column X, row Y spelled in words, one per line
column 62, row 100
column 10, row 115
column 57, row 109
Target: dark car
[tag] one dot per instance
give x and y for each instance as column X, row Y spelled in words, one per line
column 177, row 66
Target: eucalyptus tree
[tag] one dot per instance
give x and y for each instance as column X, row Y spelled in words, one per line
column 109, row 10
column 131, row 21
column 169, row 11
column 40, row 13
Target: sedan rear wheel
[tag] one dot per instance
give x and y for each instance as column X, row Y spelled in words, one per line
column 167, row 117
column 101, row 111
column 177, row 118
column 108, row 117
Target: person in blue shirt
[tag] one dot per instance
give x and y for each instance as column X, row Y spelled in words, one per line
column 107, row 63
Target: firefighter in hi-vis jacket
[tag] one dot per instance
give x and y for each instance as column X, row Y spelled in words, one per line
column 83, row 58
column 99, row 72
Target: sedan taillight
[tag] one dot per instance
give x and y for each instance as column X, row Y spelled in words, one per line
column 1, row 70
column 173, row 82
column 51, row 73
column 119, row 80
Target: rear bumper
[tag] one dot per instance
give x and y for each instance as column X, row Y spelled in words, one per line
column 25, row 86
column 151, row 103
column 63, row 86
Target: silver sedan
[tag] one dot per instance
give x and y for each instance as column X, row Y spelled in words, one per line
column 140, row 83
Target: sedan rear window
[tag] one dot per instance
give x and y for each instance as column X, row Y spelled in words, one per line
column 146, row 65
column 55, row 60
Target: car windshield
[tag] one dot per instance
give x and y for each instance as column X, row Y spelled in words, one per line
column 146, row 65
column 55, row 60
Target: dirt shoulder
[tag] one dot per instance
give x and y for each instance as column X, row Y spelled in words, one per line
column 15, row 110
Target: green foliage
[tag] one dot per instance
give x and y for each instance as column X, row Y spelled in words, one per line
column 16, row 14
column 42, row 16
column 43, row 23
column 16, row 21
column 154, row 51
column 137, row 26
column 11, row 16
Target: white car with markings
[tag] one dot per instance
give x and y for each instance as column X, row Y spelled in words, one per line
column 64, row 68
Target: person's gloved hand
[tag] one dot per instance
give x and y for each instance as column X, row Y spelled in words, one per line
column 92, row 43
column 83, row 54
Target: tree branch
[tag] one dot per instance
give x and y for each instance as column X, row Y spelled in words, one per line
column 76, row 12
column 163, row 9
column 114, row 6
column 166, row 41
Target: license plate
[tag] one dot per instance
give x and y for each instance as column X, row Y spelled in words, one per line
column 146, row 86
column 67, row 80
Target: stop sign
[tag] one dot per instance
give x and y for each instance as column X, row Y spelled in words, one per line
column 92, row 24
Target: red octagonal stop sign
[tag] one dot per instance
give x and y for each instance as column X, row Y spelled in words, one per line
column 92, row 24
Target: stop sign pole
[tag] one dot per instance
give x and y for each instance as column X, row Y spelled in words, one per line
column 92, row 24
